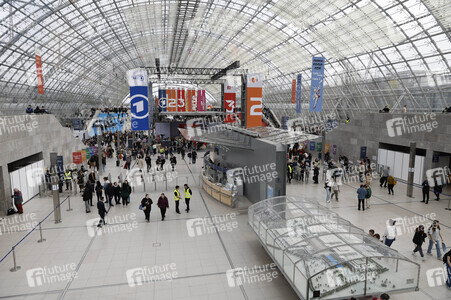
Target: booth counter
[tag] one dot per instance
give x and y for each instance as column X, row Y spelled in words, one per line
column 219, row 192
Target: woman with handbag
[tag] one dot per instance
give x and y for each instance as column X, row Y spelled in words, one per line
column 146, row 203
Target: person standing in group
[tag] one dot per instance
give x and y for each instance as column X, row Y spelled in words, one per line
column 140, row 163
column 315, row 174
column 426, row 188
column 146, row 203
column 86, row 196
column 391, row 182
column 328, row 188
column 173, row 161
column 103, row 162
column 290, row 172
column 92, row 177
column 369, row 192
column 335, row 189
column 418, row 240
column 109, row 193
column 385, row 173
column 434, row 236
column 182, row 152
column 194, row 156
column 102, row 211
column 177, row 199
column 188, row 193
column 18, row 200
column 163, row 204
column 128, row 161
column 117, row 193
column 148, row 162
column 125, row 193
column 98, row 189
column 361, row 195
column 68, row 179
column 390, row 233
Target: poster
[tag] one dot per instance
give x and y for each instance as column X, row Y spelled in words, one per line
column 254, row 100
column 40, row 77
column 312, row 146
column 139, row 101
column 293, row 91
column 298, row 94
column 76, row 157
column 316, row 86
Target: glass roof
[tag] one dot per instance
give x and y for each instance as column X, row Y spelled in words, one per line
column 377, row 52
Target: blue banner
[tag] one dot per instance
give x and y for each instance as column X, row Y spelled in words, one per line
column 151, row 103
column 285, row 122
column 298, row 94
column 162, row 100
column 59, row 164
column 77, row 124
column 362, row 152
column 312, row 146
column 316, row 86
column 139, row 100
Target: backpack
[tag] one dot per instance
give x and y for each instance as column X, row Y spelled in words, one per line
column 368, row 193
column 445, row 257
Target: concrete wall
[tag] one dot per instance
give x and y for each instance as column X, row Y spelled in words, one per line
column 262, row 155
column 25, row 135
column 370, row 129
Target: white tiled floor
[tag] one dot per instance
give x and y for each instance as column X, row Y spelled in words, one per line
column 201, row 262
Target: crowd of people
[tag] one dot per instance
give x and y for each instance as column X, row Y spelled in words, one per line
column 37, row 110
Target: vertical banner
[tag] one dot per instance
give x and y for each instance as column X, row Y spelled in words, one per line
column 76, row 157
column 298, row 94
column 363, row 152
column 150, row 103
column 204, row 101
column 59, row 164
column 334, row 149
column 312, row 146
column 316, row 86
column 293, row 91
column 319, row 146
column 201, row 101
column 171, row 96
column 254, row 104
column 40, row 77
column 188, row 100
column 229, row 98
column 162, row 101
column 139, row 101
column 181, row 102
column 193, row 100
column 327, row 148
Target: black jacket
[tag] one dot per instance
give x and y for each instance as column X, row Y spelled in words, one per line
column 418, row 238
column 146, row 202
column 101, row 208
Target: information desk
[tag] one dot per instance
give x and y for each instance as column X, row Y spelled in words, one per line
column 219, row 193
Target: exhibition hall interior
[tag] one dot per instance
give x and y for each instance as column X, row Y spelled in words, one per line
column 225, row 149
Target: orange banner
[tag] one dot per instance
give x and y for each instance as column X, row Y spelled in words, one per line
column 189, row 96
column 39, row 74
column 293, row 91
column 172, row 100
column 254, row 100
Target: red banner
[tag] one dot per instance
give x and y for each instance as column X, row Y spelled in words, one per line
column 39, row 74
column 229, row 98
column 180, row 100
column 293, row 91
column 76, row 157
column 254, row 100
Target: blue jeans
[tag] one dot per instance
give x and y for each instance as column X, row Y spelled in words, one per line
column 327, row 195
column 388, row 242
column 448, row 281
column 437, row 246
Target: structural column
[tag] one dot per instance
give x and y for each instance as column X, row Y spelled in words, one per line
column 99, row 152
column 413, row 150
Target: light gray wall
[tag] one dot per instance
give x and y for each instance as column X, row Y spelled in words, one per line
column 370, row 129
column 23, row 136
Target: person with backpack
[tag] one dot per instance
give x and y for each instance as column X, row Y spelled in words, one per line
column 361, row 194
column 146, row 204
column 434, row 236
column 390, row 232
column 369, row 192
column 418, row 240
column 391, row 182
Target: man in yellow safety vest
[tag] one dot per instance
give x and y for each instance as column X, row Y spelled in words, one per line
column 177, row 199
column 68, row 179
column 188, row 193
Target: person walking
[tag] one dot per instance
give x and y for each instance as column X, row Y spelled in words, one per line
column 68, row 179
column 447, row 262
column 328, row 188
column 437, row 190
column 125, row 192
column 369, row 192
column 188, row 193
column 86, row 196
column 92, row 177
column 177, row 199
column 194, row 156
column 315, row 174
column 290, row 172
column 103, row 162
column 148, row 162
column 109, row 193
column 182, row 152
column 335, row 189
column 117, row 193
column 385, row 173
column 361, row 194
column 146, row 203
column 102, row 211
column 391, row 182
column 18, row 200
column 140, row 163
column 163, row 204
column 98, row 189
column 418, row 240
column 390, row 232
column 434, row 236
column 173, row 161
column 425, row 188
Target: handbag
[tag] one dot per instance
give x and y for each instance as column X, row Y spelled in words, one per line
column 444, row 247
column 140, row 207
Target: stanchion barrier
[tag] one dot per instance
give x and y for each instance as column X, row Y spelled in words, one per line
column 69, row 209
column 16, row 267
column 40, row 234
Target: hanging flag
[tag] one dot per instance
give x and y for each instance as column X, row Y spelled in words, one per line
column 163, row 101
column 293, row 91
column 298, row 94
column 40, row 77
column 150, row 103
column 180, row 100
column 229, row 98
column 171, row 95
column 254, row 100
column 139, row 101
column 316, row 86
column 204, row 101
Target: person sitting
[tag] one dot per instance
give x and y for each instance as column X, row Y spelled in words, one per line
column 29, row 109
column 386, row 109
column 37, row 110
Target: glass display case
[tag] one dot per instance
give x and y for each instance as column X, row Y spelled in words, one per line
column 324, row 256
